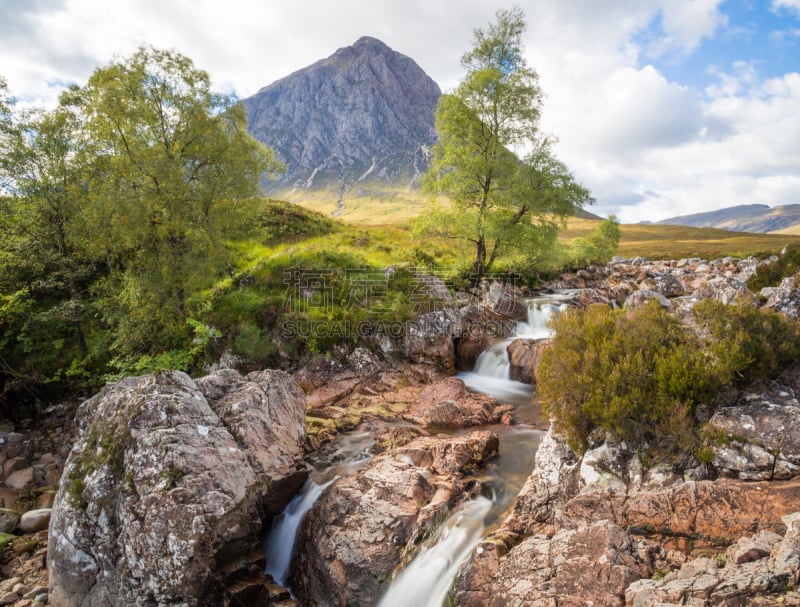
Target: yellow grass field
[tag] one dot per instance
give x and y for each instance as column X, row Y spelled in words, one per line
column 652, row 241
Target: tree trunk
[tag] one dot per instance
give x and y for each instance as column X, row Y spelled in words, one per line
column 479, row 267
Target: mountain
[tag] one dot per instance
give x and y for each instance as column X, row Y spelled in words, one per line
column 758, row 218
column 361, row 119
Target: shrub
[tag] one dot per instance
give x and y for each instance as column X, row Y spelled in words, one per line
column 771, row 274
column 642, row 374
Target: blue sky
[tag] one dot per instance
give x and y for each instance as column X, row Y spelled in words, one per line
column 660, row 107
column 753, row 32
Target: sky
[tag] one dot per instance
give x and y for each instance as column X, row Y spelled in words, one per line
column 659, row 107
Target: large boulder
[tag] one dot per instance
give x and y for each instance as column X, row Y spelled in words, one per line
column 360, row 528
column 167, row 485
column 429, row 339
column 589, row 566
column 504, row 299
column 524, row 356
column 448, row 403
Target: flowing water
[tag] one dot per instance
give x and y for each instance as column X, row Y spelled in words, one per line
column 491, row 373
column 426, row 580
column 428, row 577
column 350, row 451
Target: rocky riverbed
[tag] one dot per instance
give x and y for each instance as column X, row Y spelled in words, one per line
column 162, row 487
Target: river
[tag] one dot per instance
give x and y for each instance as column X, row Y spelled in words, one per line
column 426, row 580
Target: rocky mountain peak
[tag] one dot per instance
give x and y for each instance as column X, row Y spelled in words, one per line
column 361, row 118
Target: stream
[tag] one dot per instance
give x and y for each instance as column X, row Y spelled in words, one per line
column 426, row 580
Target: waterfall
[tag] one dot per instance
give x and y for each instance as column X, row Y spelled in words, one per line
column 540, row 311
column 427, row 579
column 279, row 545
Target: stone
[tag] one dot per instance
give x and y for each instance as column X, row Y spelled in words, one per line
column 504, row 299
column 749, row 549
column 524, row 357
column 8, row 520
column 355, row 534
column 20, row 478
column 642, row 297
column 429, row 339
column 448, row 403
column 35, row 520
column 159, row 494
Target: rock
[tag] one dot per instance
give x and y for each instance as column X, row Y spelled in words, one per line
column 589, row 566
column 641, row 298
column 468, row 349
column 504, row 299
column 448, row 403
column 762, row 443
column 20, row 479
column 429, row 339
column 8, row 520
column 785, row 298
column 524, row 357
column 357, row 531
column 35, row 520
column 753, row 548
column 158, row 494
column 272, row 434
column 760, row 576
column 554, row 480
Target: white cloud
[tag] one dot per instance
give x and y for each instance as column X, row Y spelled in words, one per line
column 646, row 146
column 786, row 4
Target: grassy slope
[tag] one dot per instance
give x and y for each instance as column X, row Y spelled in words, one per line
column 674, row 242
column 392, row 208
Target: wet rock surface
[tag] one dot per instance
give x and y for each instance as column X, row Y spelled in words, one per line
column 448, row 403
column 362, row 526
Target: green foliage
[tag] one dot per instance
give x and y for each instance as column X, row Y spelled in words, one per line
column 600, row 246
column 123, row 200
column 745, row 342
column 279, row 221
column 771, row 274
column 642, row 374
column 500, row 203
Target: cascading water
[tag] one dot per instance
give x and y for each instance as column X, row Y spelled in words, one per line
column 426, row 580
column 351, row 451
column 491, row 373
column 279, row 545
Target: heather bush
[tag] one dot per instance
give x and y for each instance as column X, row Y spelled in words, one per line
column 642, row 374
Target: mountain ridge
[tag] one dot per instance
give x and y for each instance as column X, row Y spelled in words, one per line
column 361, row 118
column 754, row 218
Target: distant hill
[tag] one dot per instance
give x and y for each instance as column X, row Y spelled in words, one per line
column 362, row 119
column 756, row 218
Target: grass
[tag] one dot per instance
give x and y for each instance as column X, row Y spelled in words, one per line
column 392, row 211
column 654, row 241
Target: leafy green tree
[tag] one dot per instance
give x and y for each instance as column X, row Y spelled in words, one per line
column 499, row 202
column 120, row 204
column 45, row 271
column 174, row 168
column 600, row 246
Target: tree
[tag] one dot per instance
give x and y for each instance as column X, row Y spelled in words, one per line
column 499, row 201
column 120, row 204
column 600, row 246
column 174, row 166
